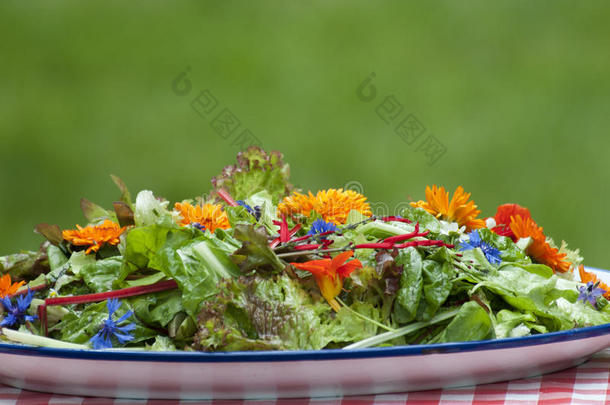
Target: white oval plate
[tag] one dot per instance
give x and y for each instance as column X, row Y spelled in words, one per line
column 255, row 375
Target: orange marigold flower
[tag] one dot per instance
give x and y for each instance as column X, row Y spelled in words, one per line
column 539, row 249
column 7, row 288
column 296, row 203
column 333, row 205
column 210, row 216
column 94, row 236
column 330, row 273
column 586, row 277
column 459, row 209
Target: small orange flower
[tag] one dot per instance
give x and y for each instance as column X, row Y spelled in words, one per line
column 330, row 273
column 95, row 236
column 211, row 216
column 459, row 209
column 585, row 277
column 539, row 249
column 6, row 288
column 333, row 205
column 296, row 203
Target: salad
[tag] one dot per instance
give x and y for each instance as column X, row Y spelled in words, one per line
column 258, row 265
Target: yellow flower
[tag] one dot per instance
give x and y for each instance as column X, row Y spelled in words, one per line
column 210, row 216
column 6, row 288
column 459, row 209
column 94, row 236
column 333, row 205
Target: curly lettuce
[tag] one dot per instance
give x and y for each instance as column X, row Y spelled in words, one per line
column 255, row 170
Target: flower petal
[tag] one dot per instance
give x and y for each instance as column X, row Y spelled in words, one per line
column 341, row 258
column 345, row 270
column 124, row 317
column 112, row 304
column 316, row 267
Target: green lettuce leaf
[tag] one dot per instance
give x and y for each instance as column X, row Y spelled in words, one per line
column 471, row 323
column 551, row 299
column 264, row 200
column 351, row 327
column 256, row 170
column 196, row 261
column 100, row 274
column 512, row 324
column 142, row 243
column 57, row 258
column 437, row 285
column 151, row 211
column 157, row 309
column 257, row 313
column 24, row 265
column 197, row 266
column 162, row 344
column 411, row 285
column 255, row 253
column 426, row 220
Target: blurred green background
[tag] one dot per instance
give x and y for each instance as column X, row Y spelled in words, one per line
column 517, row 92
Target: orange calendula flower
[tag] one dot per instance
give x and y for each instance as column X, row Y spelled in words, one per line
column 459, row 209
column 210, row 216
column 7, row 288
column 586, row 277
column 330, row 273
column 333, row 205
column 539, row 249
column 94, row 236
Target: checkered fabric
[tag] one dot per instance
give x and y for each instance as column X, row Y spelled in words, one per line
column 588, row 384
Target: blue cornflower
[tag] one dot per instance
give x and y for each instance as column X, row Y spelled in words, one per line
column 102, row 340
column 590, row 292
column 198, row 226
column 491, row 253
column 16, row 312
column 255, row 212
column 321, row 226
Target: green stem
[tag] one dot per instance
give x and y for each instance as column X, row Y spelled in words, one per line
column 36, row 340
column 384, row 337
column 364, row 317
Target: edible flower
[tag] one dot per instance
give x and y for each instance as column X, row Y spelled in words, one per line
column 103, row 338
column 321, row 226
column 590, row 293
column 7, row 288
column 210, row 216
column 539, row 249
column 197, row 225
column 503, row 219
column 95, row 236
column 330, row 273
column 491, row 253
column 587, row 277
column 333, row 205
column 459, row 209
column 16, row 311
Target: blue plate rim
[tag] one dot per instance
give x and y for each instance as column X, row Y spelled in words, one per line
column 309, row 355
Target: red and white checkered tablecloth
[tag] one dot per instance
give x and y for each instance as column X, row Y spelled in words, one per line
column 587, row 384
